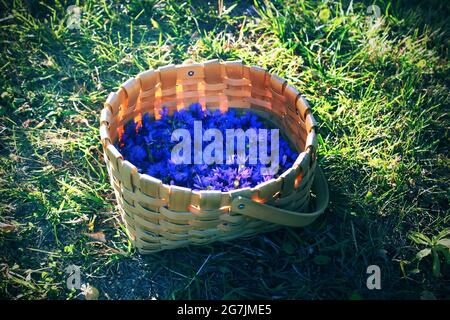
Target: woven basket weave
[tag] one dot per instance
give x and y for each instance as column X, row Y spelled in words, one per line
column 160, row 216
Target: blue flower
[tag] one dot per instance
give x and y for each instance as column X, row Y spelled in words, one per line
column 138, row 153
column 149, row 148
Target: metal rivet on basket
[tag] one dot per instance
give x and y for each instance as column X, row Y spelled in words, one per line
column 241, row 206
column 190, row 73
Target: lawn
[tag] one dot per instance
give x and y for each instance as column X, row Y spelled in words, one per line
column 378, row 83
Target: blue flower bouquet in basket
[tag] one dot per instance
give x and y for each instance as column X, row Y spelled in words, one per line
column 203, row 152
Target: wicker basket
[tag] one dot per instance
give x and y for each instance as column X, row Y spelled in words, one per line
column 159, row 216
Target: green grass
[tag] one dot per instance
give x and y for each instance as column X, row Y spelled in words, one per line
column 379, row 90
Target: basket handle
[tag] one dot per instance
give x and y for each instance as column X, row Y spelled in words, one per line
column 284, row 217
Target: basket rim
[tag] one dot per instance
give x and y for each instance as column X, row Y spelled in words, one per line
column 304, row 161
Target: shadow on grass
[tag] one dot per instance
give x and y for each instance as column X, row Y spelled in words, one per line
column 327, row 259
